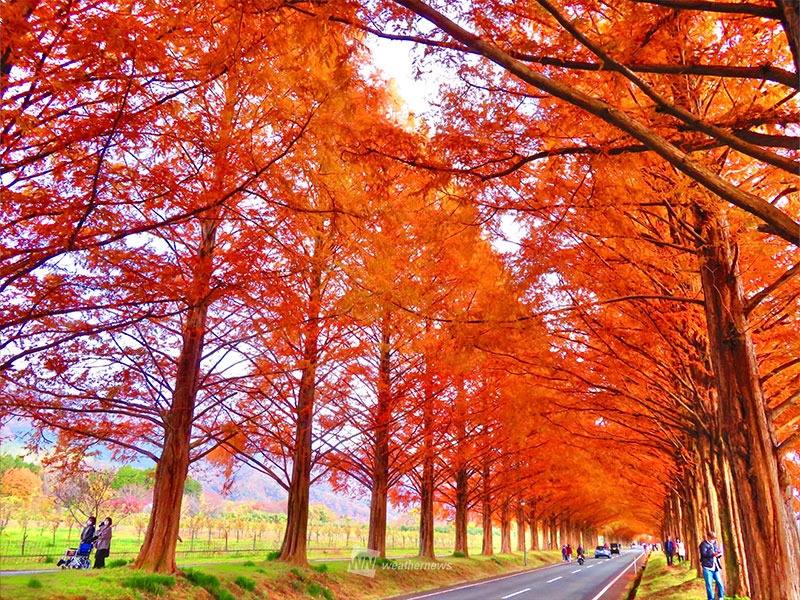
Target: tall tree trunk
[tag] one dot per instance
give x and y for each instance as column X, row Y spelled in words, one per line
column 157, row 553
column 534, row 525
column 376, row 539
column 505, row 527
column 462, row 511
column 487, row 547
column 426, row 520
column 461, row 473
column 736, row 556
column 521, row 529
column 769, row 538
column 293, row 548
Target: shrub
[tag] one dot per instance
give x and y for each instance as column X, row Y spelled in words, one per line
column 273, row 555
column 152, row 583
column 226, row 595
column 315, row 589
column 497, row 561
column 321, row 568
column 245, row 583
column 204, row 580
column 34, row 583
column 49, row 559
column 296, row 572
column 459, row 555
column 118, row 562
column 249, row 563
column 385, row 562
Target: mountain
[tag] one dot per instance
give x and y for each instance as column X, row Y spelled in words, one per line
column 249, row 484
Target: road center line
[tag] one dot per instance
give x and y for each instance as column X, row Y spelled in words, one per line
column 590, row 566
column 578, row 571
column 516, row 593
column 556, row 579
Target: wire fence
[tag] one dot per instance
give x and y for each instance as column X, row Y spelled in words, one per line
column 46, row 551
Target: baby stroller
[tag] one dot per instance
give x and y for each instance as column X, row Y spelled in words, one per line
column 77, row 558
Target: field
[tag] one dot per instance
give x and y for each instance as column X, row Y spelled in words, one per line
column 43, row 547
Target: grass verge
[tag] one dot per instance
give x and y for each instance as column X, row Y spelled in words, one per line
column 255, row 580
column 678, row 582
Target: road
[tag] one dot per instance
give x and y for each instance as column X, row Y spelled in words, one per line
column 594, row 580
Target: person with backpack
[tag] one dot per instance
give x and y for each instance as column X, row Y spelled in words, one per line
column 710, row 553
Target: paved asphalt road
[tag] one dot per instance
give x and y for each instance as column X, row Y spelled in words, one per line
column 565, row 581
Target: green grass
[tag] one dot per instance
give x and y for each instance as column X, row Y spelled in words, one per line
column 150, row 583
column 678, row 582
column 273, row 580
column 208, row 582
column 245, row 583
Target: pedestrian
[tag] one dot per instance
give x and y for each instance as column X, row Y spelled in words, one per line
column 87, row 536
column 564, row 553
column 102, row 544
column 669, row 549
column 569, row 553
column 712, row 569
column 681, row 550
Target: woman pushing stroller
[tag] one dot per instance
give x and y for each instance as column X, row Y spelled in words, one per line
column 100, row 538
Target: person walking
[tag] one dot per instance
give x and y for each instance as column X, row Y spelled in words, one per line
column 669, row 549
column 712, row 569
column 102, row 544
column 680, row 549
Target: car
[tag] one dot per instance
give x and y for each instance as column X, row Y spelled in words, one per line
column 602, row 552
column 614, row 548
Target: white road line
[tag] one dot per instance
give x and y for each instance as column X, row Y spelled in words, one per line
column 552, row 580
column 516, row 593
column 578, row 571
column 590, row 566
column 605, row 589
column 479, row 583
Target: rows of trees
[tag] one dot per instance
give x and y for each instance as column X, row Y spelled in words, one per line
column 225, row 240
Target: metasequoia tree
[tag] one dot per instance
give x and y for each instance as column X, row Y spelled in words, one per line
column 630, row 278
column 303, row 339
column 657, row 120
column 141, row 390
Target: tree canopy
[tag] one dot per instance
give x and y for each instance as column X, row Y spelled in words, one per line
column 225, row 240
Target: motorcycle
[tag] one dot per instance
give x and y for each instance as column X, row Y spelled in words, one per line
column 580, row 559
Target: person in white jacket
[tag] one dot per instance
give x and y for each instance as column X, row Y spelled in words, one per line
column 681, row 548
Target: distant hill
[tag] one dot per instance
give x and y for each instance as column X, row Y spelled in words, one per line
column 251, row 485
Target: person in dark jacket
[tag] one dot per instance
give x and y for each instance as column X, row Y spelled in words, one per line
column 710, row 553
column 669, row 549
column 87, row 535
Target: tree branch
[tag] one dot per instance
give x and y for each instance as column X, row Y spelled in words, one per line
column 778, row 222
